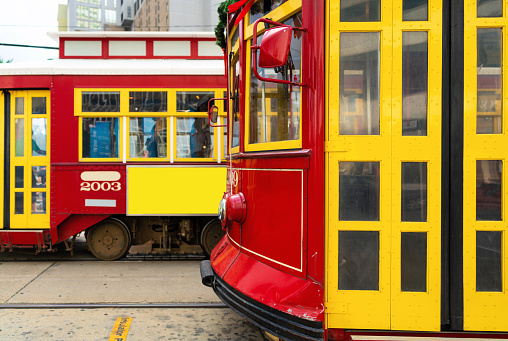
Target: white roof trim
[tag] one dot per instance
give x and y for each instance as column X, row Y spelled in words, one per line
column 129, row 34
column 115, row 67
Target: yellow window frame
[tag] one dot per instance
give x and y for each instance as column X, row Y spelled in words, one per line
column 279, row 14
column 124, row 115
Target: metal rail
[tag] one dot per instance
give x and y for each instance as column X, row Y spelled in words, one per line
column 116, row 305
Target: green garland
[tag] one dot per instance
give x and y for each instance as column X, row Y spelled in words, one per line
column 223, row 21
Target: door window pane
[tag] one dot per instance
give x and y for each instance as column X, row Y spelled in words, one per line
column 147, row 137
column 100, row 101
column 148, row 101
column 38, row 202
column 18, row 203
column 19, row 106
column 490, row 8
column 488, row 189
column 275, row 108
column 38, row 176
column 359, row 83
column 358, row 260
column 413, row 261
column 38, row 105
column 19, row 177
column 360, row 10
column 194, row 138
column 263, row 7
column 415, row 10
column 236, row 106
column 489, row 81
column 488, row 261
column 359, row 191
column 100, row 137
column 193, row 101
column 39, row 136
column 414, row 191
column 19, row 136
column 414, row 83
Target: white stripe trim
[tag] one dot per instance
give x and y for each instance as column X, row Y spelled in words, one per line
column 100, row 203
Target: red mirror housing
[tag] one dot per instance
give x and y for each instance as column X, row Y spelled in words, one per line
column 274, row 49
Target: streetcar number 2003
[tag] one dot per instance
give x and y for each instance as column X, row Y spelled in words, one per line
column 100, row 186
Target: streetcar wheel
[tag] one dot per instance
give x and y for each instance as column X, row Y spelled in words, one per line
column 109, row 240
column 210, row 236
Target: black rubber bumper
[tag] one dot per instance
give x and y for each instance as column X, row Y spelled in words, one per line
column 275, row 322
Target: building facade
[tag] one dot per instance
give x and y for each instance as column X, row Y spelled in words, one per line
column 93, row 15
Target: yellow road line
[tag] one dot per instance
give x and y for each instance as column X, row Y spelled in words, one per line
column 120, row 329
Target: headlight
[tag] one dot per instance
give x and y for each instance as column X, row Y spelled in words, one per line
column 222, row 210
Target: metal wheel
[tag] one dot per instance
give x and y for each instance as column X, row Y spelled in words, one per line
column 109, row 240
column 210, row 236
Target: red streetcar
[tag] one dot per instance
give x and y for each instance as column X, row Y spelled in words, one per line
column 366, row 195
column 113, row 139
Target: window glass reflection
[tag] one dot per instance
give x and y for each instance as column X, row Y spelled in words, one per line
column 488, row 189
column 148, row 101
column 19, row 106
column 38, row 176
column 100, row 101
column 413, row 261
column 147, row 137
column 359, row 83
column 415, row 10
column 489, row 81
column 38, row 202
column 38, row 105
column 261, row 8
column 414, row 83
column 19, row 177
column 414, row 191
column 360, row 10
column 19, row 203
column 489, row 261
column 275, row 108
column 19, row 137
column 236, row 105
column 194, row 138
column 100, row 137
column 359, row 191
column 39, row 137
column 489, row 8
column 193, row 101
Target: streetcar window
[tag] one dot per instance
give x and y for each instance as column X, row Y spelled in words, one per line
column 194, row 138
column 148, row 101
column 19, row 177
column 236, row 105
column 415, row 10
column 39, row 137
column 413, row 261
column 489, row 8
column 282, row 124
column 19, row 106
column 19, row 137
column 263, row 7
column 414, row 191
column 193, row 101
column 489, row 261
column 360, row 10
column 38, row 202
column 100, row 101
column 414, row 83
column 38, row 105
column 359, row 83
column 100, row 137
column 38, row 176
column 488, row 189
column 147, row 137
column 489, row 81
column 18, row 203
column 359, row 191
column 358, row 260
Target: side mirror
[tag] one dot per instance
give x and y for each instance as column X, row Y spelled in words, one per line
column 274, row 49
column 213, row 113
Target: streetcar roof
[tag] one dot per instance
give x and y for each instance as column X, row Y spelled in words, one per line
column 115, row 67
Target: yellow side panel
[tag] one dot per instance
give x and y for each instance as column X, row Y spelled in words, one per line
column 174, row 190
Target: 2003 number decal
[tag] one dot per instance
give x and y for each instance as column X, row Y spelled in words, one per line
column 100, row 186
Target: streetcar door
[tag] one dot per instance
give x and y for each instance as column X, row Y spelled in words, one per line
column 485, row 232
column 383, row 154
column 29, row 159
